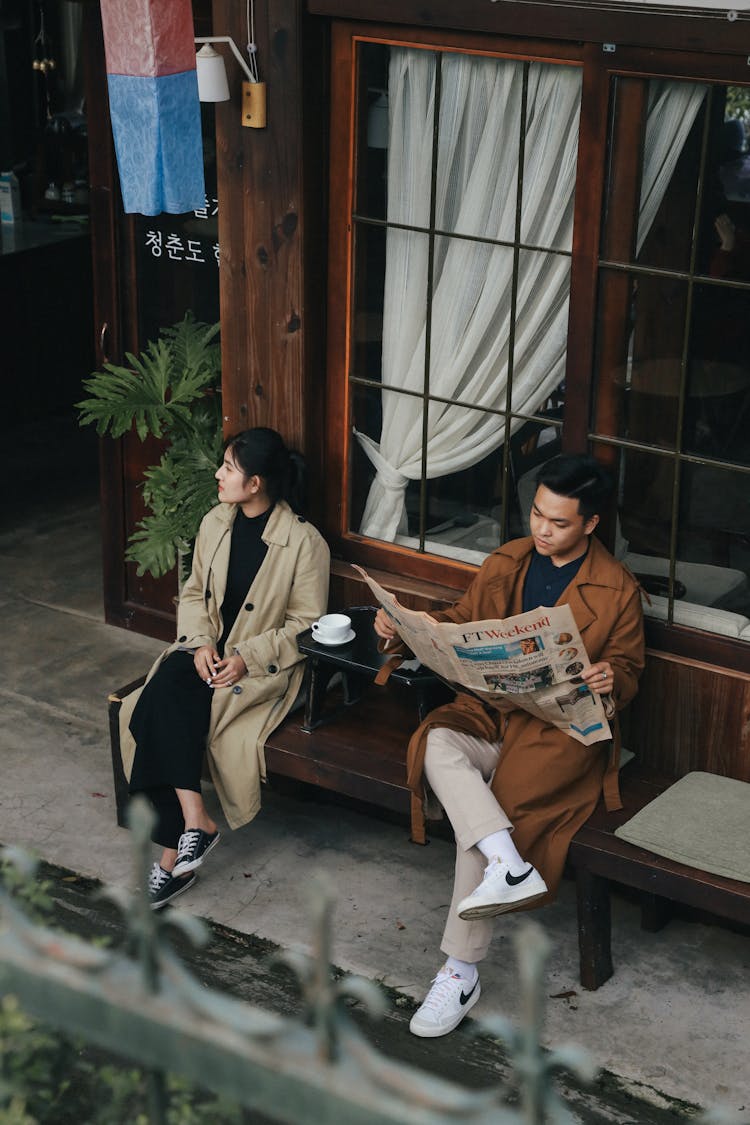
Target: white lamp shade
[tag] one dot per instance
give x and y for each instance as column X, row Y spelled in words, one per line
column 212, row 75
column 377, row 122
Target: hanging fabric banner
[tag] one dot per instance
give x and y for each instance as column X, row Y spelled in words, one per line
column 153, row 102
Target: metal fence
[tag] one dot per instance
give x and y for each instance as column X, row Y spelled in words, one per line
column 142, row 1004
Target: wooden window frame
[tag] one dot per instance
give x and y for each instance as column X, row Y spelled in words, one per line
column 598, row 70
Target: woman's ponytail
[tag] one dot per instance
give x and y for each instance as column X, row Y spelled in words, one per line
column 296, row 494
column 262, row 452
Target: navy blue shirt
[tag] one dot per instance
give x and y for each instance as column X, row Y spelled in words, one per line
column 545, row 581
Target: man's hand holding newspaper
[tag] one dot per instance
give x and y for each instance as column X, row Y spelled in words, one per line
column 535, row 660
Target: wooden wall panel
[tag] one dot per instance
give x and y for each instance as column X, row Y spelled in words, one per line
column 558, row 19
column 690, row 716
column 272, row 229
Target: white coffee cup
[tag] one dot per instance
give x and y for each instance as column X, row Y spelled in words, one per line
column 332, row 628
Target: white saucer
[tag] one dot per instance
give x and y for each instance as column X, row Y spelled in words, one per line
column 344, row 640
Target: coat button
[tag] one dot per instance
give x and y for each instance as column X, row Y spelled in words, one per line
column 301, row 519
column 182, row 639
column 272, row 668
column 237, row 690
column 208, row 594
column 249, row 606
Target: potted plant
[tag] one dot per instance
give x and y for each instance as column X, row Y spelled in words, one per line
column 171, row 391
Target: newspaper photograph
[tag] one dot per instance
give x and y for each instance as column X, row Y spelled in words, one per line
column 531, row 660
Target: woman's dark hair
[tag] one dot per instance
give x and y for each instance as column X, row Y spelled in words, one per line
column 580, row 477
column 262, row 452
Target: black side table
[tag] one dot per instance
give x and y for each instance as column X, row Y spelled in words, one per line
column 358, row 661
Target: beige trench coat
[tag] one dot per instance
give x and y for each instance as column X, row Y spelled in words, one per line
column 289, row 592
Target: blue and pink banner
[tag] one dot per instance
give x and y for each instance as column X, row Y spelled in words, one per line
column 153, row 102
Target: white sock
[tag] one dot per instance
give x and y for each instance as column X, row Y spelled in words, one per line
column 500, row 844
column 467, row 970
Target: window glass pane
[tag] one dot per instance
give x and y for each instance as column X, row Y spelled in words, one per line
column 671, row 162
column 713, row 550
column 717, row 408
column 646, row 487
column 479, row 146
column 471, row 308
column 477, row 299
column 531, row 445
column 640, row 337
column 655, row 151
column 614, row 352
column 551, row 155
column 371, row 126
column 367, row 312
column 480, row 128
column 411, row 98
column 366, row 422
column 405, row 300
column 464, row 487
column 734, row 167
column 540, row 332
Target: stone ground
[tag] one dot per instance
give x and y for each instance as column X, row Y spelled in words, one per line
column 670, row 1029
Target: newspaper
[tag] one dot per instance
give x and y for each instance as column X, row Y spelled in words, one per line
column 532, row 660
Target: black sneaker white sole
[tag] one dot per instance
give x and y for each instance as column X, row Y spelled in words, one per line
column 182, row 867
column 171, row 890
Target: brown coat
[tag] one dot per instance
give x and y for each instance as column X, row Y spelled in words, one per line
column 547, row 783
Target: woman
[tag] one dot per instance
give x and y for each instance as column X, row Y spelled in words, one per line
column 259, row 578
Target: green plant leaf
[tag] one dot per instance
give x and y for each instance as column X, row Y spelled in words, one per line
column 170, row 391
column 178, row 491
column 156, row 390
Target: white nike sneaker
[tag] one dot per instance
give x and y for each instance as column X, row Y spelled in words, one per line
column 500, row 891
column 445, row 1005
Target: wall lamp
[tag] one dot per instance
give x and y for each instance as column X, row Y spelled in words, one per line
column 213, row 85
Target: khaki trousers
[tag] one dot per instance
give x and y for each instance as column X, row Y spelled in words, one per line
column 458, row 768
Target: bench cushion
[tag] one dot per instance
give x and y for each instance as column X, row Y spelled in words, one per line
column 702, row 820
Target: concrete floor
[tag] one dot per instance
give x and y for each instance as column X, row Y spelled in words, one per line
column 673, row 1022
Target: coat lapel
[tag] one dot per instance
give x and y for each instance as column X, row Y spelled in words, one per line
column 218, row 564
column 506, row 590
column 596, row 578
column 574, row 597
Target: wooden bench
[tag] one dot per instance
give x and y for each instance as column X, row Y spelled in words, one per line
column 599, row 858
column 361, row 753
column 358, row 751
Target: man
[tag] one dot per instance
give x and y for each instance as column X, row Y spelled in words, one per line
column 516, row 789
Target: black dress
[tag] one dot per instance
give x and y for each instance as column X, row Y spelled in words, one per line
column 171, row 718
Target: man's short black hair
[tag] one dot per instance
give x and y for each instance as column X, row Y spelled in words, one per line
column 580, row 477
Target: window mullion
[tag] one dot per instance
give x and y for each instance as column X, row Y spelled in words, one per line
column 429, row 295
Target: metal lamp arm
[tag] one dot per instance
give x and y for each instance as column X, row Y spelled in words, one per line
column 235, row 51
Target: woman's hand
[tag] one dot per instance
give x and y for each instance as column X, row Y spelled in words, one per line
column 206, row 660
column 599, row 678
column 228, row 671
column 384, row 627
column 726, row 231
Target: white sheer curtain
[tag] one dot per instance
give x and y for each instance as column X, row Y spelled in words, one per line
column 672, row 108
column 477, row 170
